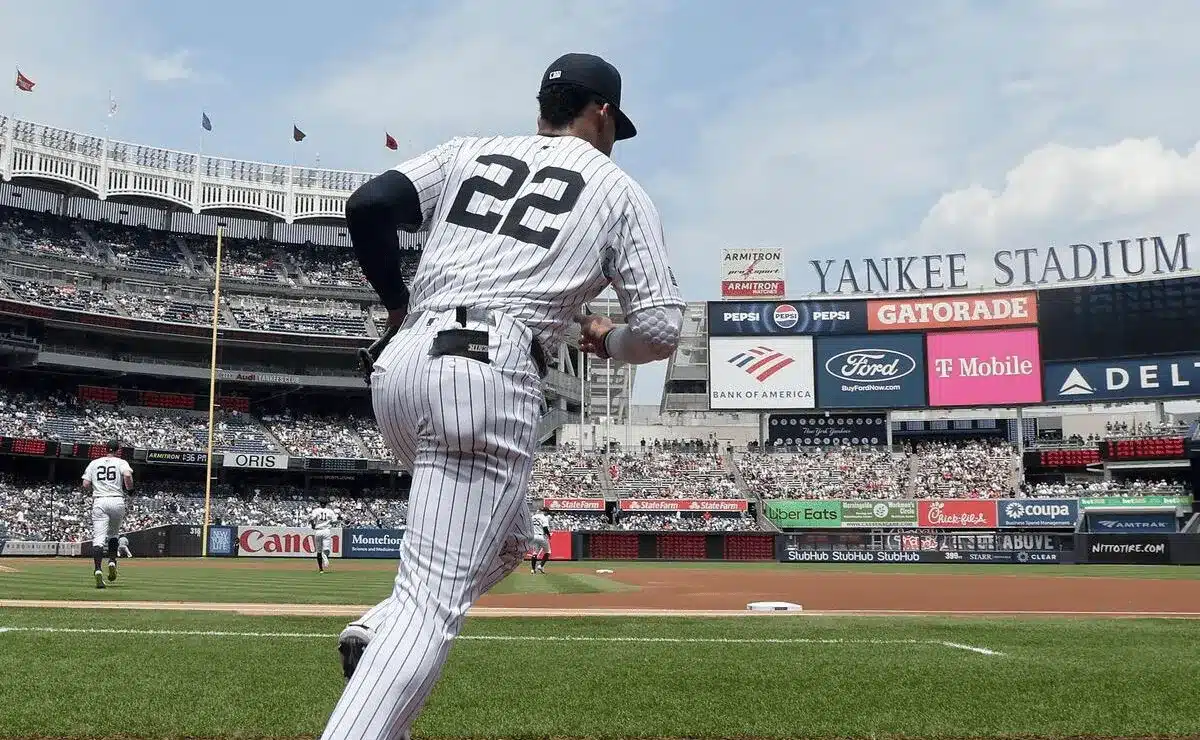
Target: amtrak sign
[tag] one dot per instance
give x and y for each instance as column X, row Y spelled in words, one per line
column 1114, row 380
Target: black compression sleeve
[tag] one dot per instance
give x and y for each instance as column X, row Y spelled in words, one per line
column 373, row 213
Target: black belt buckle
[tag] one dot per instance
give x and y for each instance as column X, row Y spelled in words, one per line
column 469, row 343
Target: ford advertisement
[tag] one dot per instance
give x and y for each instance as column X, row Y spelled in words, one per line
column 773, row 318
column 871, row 372
column 1048, row 512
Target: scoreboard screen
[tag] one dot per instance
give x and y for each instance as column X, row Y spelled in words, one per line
column 25, row 446
column 1115, row 320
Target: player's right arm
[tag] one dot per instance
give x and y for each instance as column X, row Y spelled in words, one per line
column 126, row 477
column 401, row 198
column 636, row 265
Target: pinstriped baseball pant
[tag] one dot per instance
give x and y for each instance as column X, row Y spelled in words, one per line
column 467, row 430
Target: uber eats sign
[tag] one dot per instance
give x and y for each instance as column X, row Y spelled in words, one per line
column 805, row 514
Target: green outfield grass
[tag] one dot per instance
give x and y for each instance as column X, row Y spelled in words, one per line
column 366, row 582
column 164, row 674
column 772, row 676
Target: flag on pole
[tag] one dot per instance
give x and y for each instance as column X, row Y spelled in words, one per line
column 297, row 134
column 24, row 84
column 112, row 106
column 205, row 123
column 389, row 142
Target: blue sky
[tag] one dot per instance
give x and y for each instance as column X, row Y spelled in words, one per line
column 832, row 129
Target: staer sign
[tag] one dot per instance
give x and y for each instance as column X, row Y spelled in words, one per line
column 957, row 514
column 283, row 542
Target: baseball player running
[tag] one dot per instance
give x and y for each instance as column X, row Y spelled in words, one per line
column 522, row 232
column 321, row 520
column 541, row 542
column 109, row 479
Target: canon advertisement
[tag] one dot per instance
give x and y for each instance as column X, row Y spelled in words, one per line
column 755, row 374
column 824, row 430
column 871, row 372
column 983, row 368
column 283, row 542
column 1085, row 382
column 770, row 318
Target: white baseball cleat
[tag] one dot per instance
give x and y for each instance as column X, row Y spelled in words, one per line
column 99, row 579
column 112, row 571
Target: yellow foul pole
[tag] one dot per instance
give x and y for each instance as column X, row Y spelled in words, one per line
column 212, row 397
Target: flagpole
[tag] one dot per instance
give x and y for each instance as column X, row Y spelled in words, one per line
column 212, row 396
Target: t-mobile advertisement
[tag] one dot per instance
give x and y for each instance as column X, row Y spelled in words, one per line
column 984, row 368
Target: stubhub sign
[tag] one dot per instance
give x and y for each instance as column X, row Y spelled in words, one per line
column 1157, row 377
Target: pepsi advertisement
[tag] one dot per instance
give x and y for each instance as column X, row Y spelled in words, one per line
column 775, row 318
column 881, row 371
column 1040, row 512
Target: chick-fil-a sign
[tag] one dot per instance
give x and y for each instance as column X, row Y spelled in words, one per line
column 984, row 368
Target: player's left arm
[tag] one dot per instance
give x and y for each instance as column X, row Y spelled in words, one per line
column 87, row 476
column 401, row 198
column 636, row 265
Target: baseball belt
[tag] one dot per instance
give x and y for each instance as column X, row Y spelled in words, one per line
column 462, row 342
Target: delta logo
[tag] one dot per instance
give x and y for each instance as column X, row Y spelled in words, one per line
column 760, row 362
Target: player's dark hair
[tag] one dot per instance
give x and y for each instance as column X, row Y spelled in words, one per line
column 559, row 105
column 114, row 445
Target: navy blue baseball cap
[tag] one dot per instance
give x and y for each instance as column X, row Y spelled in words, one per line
column 595, row 75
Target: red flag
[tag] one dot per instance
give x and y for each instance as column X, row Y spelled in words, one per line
column 389, row 142
column 24, row 84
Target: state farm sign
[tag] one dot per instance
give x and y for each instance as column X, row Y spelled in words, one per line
column 574, row 504
column 958, row 514
column 682, row 504
column 953, row 312
column 283, row 542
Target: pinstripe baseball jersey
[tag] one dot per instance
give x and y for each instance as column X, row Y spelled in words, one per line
column 107, row 476
column 535, row 227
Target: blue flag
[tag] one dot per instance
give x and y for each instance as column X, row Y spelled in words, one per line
column 207, row 124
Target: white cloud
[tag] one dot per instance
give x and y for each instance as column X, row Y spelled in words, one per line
column 169, row 68
column 472, row 68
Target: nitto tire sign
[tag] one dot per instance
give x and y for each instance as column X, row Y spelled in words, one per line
column 283, row 542
column 1146, row 549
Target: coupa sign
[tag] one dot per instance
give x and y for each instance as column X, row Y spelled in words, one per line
column 1029, row 513
column 283, row 542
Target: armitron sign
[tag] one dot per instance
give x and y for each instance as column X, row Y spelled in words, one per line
column 283, row 542
column 752, row 273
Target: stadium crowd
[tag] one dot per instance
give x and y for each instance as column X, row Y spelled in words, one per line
column 667, row 474
column 965, row 470
column 839, row 472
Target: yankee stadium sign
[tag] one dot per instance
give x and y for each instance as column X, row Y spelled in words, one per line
column 1120, row 258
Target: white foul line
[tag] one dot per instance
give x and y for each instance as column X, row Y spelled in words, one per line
column 515, row 638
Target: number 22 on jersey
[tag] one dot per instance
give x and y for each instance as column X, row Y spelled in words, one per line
column 510, row 225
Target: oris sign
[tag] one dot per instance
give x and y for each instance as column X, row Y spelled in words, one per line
column 283, row 542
